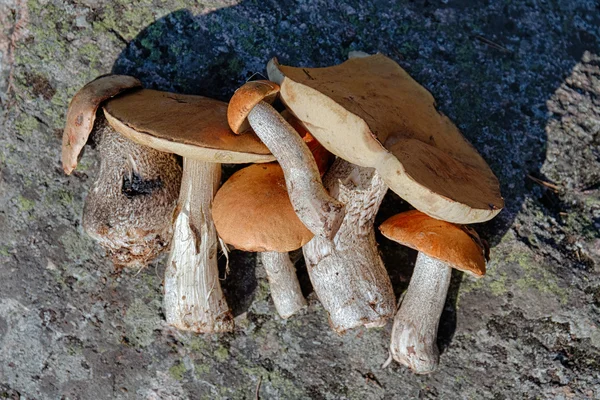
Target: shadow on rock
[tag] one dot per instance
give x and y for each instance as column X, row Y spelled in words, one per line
column 491, row 76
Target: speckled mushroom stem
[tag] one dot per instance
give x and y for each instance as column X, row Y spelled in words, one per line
column 347, row 273
column 285, row 288
column 416, row 323
column 129, row 209
column 194, row 300
column 321, row 213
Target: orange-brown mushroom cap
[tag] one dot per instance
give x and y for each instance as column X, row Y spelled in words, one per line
column 194, row 127
column 82, row 114
column 458, row 247
column 245, row 98
column 252, row 211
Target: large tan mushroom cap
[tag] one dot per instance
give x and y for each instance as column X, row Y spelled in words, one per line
column 82, row 114
column 245, row 98
column 252, row 211
column 456, row 246
column 357, row 107
column 194, row 127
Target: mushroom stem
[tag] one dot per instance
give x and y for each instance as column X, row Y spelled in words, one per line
column 194, row 300
column 321, row 213
column 347, row 273
column 285, row 288
column 129, row 210
column 416, row 323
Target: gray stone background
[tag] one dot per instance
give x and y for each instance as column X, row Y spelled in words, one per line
column 520, row 78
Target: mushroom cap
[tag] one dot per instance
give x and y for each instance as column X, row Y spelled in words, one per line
column 370, row 112
column 252, row 211
column 194, row 127
column 245, row 98
column 457, row 246
column 82, row 113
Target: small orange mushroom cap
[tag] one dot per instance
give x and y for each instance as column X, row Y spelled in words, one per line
column 245, row 98
column 252, row 211
column 458, row 246
column 82, row 113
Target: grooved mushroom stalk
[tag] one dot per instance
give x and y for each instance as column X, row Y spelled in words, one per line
column 321, row 214
column 193, row 296
column 347, row 272
column 416, row 323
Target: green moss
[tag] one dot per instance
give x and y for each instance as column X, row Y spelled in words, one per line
column 25, row 124
column 4, row 251
column 24, row 204
column 221, row 354
column 535, row 276
column 141, row 320
column 201, row 369
column 498, row 286
column 177, row 371
column 197, row 344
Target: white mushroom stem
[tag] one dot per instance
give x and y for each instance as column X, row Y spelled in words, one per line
column 347, row 273
column 321, row 214
column 194, row 300
column 285, row 288
column 416, row 323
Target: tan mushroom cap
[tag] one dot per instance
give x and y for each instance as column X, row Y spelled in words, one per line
column 82, row 114
column 457, row 246
column 194, row 127
column 252, row 211
column 245, row 98
column 357, row 107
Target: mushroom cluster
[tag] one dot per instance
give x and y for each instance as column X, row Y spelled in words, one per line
column 322, row 160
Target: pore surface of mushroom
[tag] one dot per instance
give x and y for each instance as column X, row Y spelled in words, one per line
column 442, row 246
column 196, row 128
column 252, row 212
column 129, row 209
column 347, row 272
column 370, row 112
column 314, row 206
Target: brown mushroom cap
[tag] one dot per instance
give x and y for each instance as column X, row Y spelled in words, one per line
column 252, row 211
column 194, row 127
column 370, row 112
column 82, row 114
column 245, row 98
column 450, row 243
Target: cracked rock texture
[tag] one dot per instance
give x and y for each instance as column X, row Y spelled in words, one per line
column 520, row 78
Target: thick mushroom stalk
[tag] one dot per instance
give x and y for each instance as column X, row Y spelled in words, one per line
column 194, row 300
column 285, row 288
column 347, row 273
column 321, row 214
column 416, row 323
column 129, row 209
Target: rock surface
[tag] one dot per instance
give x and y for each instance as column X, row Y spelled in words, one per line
column 521, row 79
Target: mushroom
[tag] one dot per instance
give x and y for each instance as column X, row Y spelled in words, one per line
column 347, row 272
column 128, row 211
column 441, row 246
column 267, row 222
column 370, row 112
column 264, row 222
column 196, row 128
column 250, row 106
